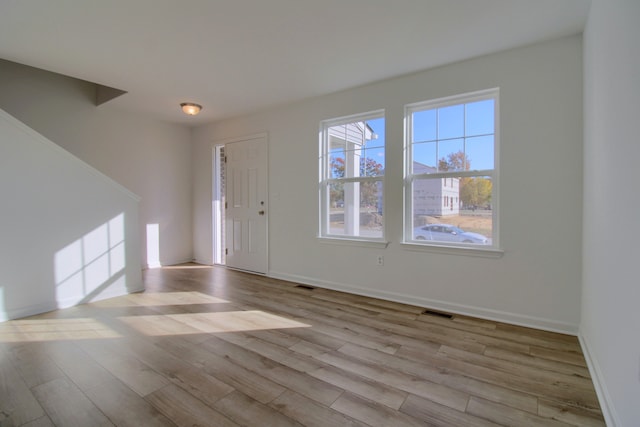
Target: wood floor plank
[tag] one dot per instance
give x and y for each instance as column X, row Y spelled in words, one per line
column 123, row 406
column 560, row 391
column 415, row 331
column 17, row 404
column 399, row 380
column 33, row 363
column 408, row 327
column 546, row 335
column 364, row 387
column 369, row 304
column 131, row 371
column 507, row 416
column 395, row 307
column 66, row 405
column 445, row 377
column 480, row 337
column 159, row 325
column 322, row 320
column 185, row 349
column 391, row 342
column 276, row 337
column 309, row 413
column 372, row 413
column 271, row 369
column 538, row 362
column 540, row 375
column 246, row 411
column 77, row 365
column 180, row 373
column 570, row 415
column 514, row 334
column 185, row 410
column 312, row 336
column 488, row 324
column 284, row 356
column 310, row 349
column 440, row 415
column 248, row 382
column 212, row 346
column 40, row 422
column 574, row 357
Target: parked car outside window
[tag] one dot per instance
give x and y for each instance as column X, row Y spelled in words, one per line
column 448, row 233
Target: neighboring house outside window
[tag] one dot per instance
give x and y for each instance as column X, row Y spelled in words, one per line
column 451, row 177
column 352, row 170
column 434, row 197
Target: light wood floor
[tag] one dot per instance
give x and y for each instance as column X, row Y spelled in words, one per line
column 214, row 347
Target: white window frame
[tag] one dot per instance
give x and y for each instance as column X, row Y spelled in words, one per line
column 409, row 177
column 325, row 180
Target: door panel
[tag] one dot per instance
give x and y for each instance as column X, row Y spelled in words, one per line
column 246, row 212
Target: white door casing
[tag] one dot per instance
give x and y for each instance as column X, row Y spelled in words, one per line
column 246, row 204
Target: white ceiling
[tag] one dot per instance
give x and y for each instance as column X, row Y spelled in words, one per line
column 239, row 56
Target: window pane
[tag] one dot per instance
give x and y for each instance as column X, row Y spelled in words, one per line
column 350, row 165
column 451, row 122
column 451, row 136
column 336, row 208
column 352, row 151
column 451, row 155
column 424, row 125
column 452, row 210
column 355, row 209
column 372, row 162
column 479, row 151
column 336, row 166
column 479, row 118
column 356, row 149
column 376, row 134
column 425, row 157
column 336, row 145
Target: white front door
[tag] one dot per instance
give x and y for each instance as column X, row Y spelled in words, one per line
column 246, row 205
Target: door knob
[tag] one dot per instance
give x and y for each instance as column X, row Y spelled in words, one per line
column 260, row 212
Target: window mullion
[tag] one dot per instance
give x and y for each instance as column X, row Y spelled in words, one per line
column 355, row 179
column 453, row 174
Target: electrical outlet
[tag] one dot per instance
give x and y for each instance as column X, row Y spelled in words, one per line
column 380, row 260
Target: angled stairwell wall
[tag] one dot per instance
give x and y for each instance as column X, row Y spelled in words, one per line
column 68, row 233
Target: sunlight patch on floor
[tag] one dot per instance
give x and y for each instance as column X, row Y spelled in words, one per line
column 197, row 323
column 31, row 330
column 149, row 299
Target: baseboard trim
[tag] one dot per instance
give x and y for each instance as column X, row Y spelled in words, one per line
column 606, row 403
column 167, row 263
column 203, row 261
column 18, row 313
column 466, row 310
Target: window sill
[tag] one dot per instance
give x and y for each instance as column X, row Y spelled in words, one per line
column 380, row 244
column 454, row 250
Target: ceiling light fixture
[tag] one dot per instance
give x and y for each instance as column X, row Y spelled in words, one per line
column 190, row 108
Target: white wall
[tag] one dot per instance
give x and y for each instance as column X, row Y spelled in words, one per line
column 69, row 233
column 610, row 327
column 536, row 282
column 149, row 157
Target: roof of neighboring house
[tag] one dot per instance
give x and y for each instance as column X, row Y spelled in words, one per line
column 422, row 168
